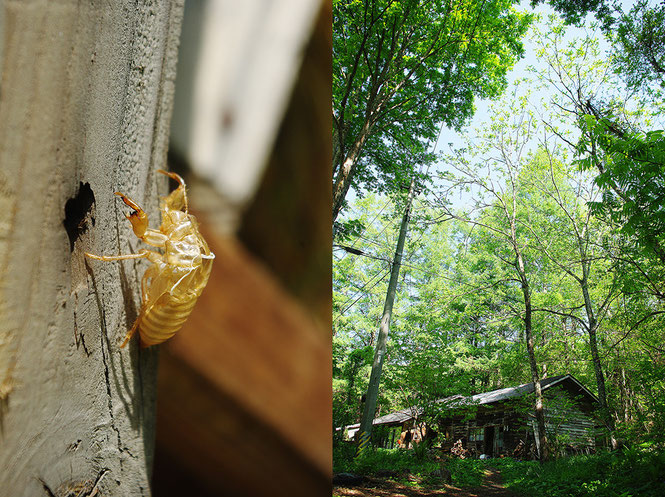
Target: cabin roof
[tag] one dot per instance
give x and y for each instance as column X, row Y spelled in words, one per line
column 518, row 391
column 398, row 416
column 501, row 394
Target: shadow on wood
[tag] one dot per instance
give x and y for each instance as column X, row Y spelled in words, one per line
column 244, row 389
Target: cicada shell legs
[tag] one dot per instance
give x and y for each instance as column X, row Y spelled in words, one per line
column 131, row 332
column 143, row 254
column 177, row 199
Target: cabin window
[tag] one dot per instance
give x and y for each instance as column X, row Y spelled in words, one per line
column 476, row 435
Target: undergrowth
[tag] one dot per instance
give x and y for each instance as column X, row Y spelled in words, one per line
column 636, row 472
column 402, row 465
column 381, row 461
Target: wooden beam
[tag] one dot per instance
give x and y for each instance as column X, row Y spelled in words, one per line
column 245, row 388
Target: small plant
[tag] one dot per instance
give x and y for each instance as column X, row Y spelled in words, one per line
column 420, row 450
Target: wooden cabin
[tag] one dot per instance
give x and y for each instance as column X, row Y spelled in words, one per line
column 397, row 429
column 502, row 422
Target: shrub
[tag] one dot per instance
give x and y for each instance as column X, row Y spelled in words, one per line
column 382, row 461
column 637, row 472
column 420, row 450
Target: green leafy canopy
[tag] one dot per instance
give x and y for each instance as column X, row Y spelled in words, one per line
column 401, row 69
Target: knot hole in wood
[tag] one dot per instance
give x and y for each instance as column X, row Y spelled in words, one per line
column 78, row 212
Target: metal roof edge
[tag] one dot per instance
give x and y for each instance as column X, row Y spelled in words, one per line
column 551, row 384
column 416, row 411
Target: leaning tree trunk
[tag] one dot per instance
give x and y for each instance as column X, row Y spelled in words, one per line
column 345, row 171
column 365, row 430
column 85, row 105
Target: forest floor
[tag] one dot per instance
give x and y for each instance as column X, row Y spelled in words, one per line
column 383, row 487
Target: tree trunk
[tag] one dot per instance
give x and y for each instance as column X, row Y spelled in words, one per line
column 626, row 395
column 84, row 112
column 592, row 328
column 365, row 431
column 543, row 449
column 347, row 169
column 337, row 148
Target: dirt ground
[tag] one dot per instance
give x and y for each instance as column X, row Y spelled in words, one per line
column 380, row 487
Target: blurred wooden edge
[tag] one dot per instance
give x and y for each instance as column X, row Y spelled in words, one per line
column 238, row 64
column 244, row 402
column 244, row 387
column 288, row 224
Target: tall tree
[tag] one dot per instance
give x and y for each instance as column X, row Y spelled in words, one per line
column 563, row 228
column 365, row 430
column 402, row 69
column 631, row 172
column 611, row 142
column 637, row 36
column 619, row 143
column 588, row 97
column 495, row 169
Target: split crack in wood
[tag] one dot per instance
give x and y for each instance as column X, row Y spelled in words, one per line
column 87, row 488
column 105, row 361
column 107, row 377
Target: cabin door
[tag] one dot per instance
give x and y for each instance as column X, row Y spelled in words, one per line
column 490, row 434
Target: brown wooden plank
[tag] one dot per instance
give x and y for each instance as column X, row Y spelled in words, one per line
column 248, row 352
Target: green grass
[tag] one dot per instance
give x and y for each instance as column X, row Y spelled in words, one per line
column 467, row 472
column 405, row 465
column 638, row 472
column 375, row 461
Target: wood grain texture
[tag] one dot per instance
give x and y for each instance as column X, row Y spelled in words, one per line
column 85, row 102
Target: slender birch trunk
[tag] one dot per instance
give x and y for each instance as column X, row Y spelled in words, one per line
column 365, row 431
column 543, row 448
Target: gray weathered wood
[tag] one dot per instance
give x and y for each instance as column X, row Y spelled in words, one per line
column 240, row 61
column 85, row 104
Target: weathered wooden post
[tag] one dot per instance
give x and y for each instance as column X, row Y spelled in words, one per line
column 85, row 104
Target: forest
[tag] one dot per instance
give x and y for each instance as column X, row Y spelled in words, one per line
column 498, row 229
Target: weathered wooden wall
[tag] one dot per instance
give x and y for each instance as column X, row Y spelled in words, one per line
column 85, row 102
column 564, row 416
column 570, row 420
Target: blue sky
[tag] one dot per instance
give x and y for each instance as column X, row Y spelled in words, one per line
column 450, row 139
column 518, row 72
